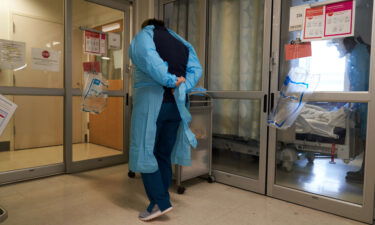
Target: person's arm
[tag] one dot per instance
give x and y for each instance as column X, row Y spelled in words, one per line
column 193, row 68
column 143, row 54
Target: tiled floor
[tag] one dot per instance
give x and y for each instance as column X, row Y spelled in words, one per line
column 27, row 158
column 108, row 197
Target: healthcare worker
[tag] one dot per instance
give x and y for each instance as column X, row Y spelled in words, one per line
column 166, row 69
column 358, row 69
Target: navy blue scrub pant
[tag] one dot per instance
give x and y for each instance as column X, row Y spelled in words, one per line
column 157, row 183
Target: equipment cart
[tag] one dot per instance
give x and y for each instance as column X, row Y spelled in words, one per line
column 201, row 125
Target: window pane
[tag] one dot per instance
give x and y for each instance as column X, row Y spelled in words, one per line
column 108, row 21
column 101, row 135
column 236, row 40
column 323, row 152
column 343, row 64
column 34, row 136
column 236, row 137
column 38, row 31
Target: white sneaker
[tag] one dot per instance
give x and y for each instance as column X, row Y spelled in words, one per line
column 147, row 216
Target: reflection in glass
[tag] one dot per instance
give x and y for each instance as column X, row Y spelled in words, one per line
column 236, row 137
column 236, row 37
column 102, row 19
column 39, row 25
column 96, row 136
column 34, row 136
column 323, row 152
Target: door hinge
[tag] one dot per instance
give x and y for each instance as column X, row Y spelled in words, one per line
column 14, row 28
column 127, row 98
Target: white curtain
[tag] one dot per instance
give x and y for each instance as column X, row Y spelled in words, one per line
column 235, row 58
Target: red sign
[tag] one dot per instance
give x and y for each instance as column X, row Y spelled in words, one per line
column 295, row 51
column 91, row 67
column 45, row 54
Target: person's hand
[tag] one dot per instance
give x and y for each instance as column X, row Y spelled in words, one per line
column 180, row 80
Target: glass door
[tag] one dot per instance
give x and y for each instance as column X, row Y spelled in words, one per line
column 324, row 160
column 237, row 78
column 99, row 138
column 32, row 76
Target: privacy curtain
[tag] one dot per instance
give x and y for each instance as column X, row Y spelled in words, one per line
column 235, row 61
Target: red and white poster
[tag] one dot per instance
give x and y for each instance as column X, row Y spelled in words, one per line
column 95, row 42
column 313, row 24
column 339, row 19
column 330, row 21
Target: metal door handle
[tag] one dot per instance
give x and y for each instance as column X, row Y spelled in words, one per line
column 265, row 103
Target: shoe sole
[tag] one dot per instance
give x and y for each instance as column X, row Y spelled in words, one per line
column 156, row 215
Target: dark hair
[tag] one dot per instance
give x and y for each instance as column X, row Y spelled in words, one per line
column 154, row 22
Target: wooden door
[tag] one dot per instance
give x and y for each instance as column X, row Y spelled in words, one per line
column 106, row 129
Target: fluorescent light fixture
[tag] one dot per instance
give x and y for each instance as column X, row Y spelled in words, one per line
column 111, row 27
column 105, row 58
column 20, row 68
column 55, row 43
column 48, row 45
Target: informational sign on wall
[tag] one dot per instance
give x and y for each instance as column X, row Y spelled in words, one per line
column 95, row 42
column 12, row 54
column 329, row 21
column 7, row 109
column 45, row 59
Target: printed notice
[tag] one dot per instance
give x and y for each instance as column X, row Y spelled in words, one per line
column 103, row 44
column 92, row 42
column 114, row 41
column 12, row 54
column 45, row 59
column 297, row 13
column 7, row 109
column 339, row 19
column 313, row 24
column 295, row 51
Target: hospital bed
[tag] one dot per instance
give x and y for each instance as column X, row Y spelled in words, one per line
column 318, row 130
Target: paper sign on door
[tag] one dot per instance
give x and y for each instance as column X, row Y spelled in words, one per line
column 295, row 51
column 7, row 109
column 313, row 23
column 45, row 59
column 12, row 54
column 297, row 13
column 330, row 21
column 95, row 43
column 339, row 19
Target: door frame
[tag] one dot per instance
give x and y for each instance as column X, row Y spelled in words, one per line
column 78, row 166
column 363, row 212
